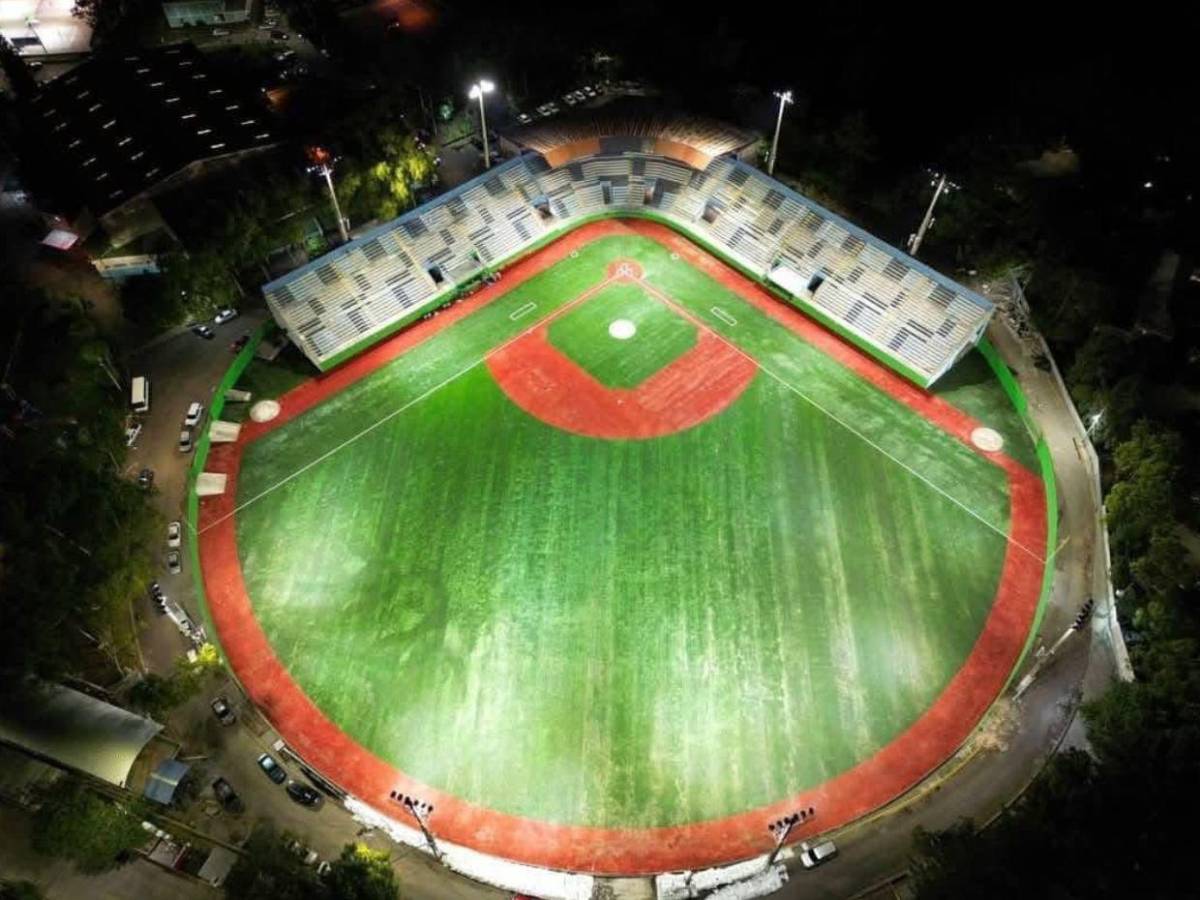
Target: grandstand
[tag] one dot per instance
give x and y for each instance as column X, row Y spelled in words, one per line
column 694, row 140
column 894, row 307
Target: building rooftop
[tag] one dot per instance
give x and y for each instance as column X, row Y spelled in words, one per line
column 118, row 125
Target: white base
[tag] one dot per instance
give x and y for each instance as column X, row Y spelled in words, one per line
column 987, row 440
column 264, row 410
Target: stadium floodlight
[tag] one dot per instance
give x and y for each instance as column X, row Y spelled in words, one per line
column 941, row 185
column 478, row 89
column 785, row 97
column 420, row 810
column 321, row 163
column 782, row 827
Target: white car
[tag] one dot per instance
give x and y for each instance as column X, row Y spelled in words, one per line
column 185, row 441
column 174, row 563
column 174, row 535
column 224, row 315
column 194, row 412
column 814, row 856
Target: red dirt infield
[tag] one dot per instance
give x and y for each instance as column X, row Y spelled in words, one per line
column 872, row 783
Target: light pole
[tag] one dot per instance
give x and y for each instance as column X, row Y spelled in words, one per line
column 781, row 828
column 785, row 97
column 478, row 89
column 322, row 164
column 30, row 22
column 420, row 810
column 941, row 185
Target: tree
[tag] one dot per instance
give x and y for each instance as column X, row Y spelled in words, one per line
column 1141, row 501
column 75, row 532
column 268, row 870
column 20, row 890
column 93, row 832
column 156, row 696
column 361, row 873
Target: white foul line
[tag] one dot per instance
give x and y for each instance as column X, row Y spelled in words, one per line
column 666, row 298
column 596, row 288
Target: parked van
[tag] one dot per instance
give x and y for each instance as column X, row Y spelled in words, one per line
column 139, row 394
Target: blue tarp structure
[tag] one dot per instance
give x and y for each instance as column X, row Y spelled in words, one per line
column 161, row 785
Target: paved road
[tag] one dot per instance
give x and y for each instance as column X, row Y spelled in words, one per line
column 182, row 368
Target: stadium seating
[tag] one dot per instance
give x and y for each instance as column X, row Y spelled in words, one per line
column 903, row 311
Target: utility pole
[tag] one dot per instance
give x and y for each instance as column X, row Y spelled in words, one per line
column 785, row 97
column 942, row 185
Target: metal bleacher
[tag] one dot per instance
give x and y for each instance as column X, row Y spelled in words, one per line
column 904, row 312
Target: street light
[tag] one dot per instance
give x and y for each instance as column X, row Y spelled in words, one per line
column 420, row 810
column 781, row 828
column 321, row 163
column 785, row 97
column 478, row 89
column 941, row 185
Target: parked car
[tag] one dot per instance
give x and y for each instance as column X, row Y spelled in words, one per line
column 524, row 118
column 146, row 479
column 203, row 331
column 224, row 315
column 279, row 35
column 158, row 598
column 194, row 413
column 284, row 55
column 223, row 711
column 228, row 797
column 273, row 770
column 185, row 441
column 220, row 32
column 811, row 857
column 241, row 342
column 174, row 563
column 303, row 794
column 174, row 534
column 132, row 433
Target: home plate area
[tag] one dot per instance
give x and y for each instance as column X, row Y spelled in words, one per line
column 620, row 364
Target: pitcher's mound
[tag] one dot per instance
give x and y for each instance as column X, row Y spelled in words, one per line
column 622, row 329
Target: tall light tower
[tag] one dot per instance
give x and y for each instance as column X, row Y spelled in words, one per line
column 785, row 97
column 781, row 828
column 478, row 89
column 941, row 185
column 321, row 162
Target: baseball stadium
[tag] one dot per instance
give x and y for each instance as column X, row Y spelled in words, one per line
column 633, row 502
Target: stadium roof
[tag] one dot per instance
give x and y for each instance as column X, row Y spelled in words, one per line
column 900, row 310
column 694, row 140
column 117, row 125
column 74, row 730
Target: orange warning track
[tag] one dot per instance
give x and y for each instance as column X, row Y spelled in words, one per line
column 875, row 781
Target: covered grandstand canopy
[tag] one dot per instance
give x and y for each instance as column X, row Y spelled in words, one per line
column 695, row 140
column 896, row 308
column 71, row 729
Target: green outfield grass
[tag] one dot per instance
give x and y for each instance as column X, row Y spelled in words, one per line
column 661, row 335
column 621, row 633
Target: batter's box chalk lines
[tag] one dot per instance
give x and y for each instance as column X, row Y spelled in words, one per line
column 522, row 311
